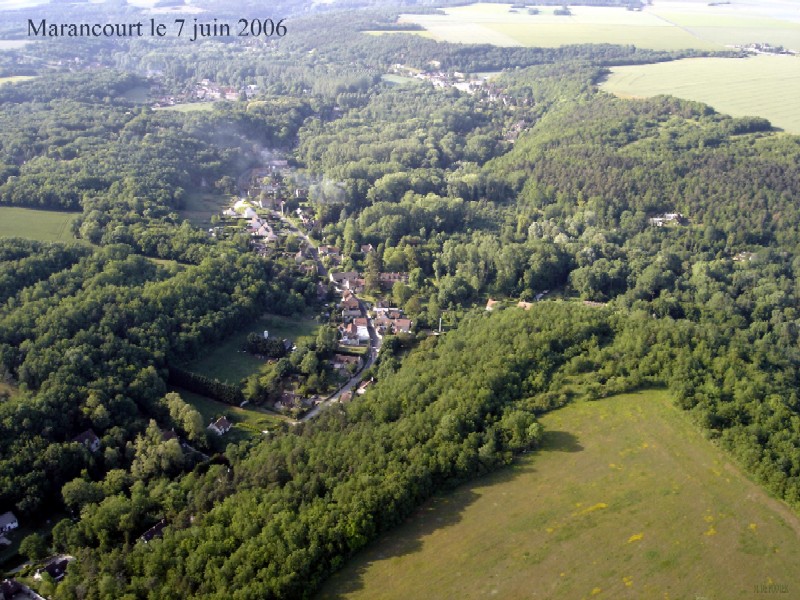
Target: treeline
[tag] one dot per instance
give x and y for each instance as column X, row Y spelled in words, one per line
column 206, row 386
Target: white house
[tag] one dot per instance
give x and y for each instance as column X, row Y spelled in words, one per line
column 8, row 522
column 221, row 426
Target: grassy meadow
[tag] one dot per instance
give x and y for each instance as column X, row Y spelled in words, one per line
column 765, row 86
column 626, row 499
column 44, row 225
column 201, row 206
column 227, row 361
column 15, row 78
column 188, row 107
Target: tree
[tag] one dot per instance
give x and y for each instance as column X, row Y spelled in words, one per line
column 34, row 547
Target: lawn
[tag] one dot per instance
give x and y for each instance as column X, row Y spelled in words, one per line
column 765, row 86
column 42, row 225
column 227, row 361
column 247, row 422
column 626, row 499
column 201, row 206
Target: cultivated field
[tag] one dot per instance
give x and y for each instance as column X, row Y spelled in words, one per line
column 45, row 225
column 229, row 363
column 765, row 86
column 667, row 25
column 625, row 500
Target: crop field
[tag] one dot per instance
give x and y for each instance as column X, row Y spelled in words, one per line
column 764, row 86
column 44, row 225
column 667, row 25
column 626, row 499
column 227, row 361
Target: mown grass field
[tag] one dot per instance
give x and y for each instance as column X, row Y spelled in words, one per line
column 228, row 362
column 667, row 25
column 44, row 225
column 765, row 86
column 188, row 107
column 625, row 500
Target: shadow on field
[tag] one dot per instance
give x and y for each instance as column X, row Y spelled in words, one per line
column 560, row 441
column 437, row 513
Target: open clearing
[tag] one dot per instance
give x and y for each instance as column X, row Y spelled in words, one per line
column 247, row 423
column 201, row 206
column 764, row 86
column 16, row 78
column 44, row 225
column 625, row 500
column 667, row 25
column 188, row 107
column 229, row 363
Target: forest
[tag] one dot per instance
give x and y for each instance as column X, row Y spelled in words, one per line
column 536, row 182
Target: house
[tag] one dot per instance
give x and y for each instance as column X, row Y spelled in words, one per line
column 56, row 568
column 89, row 439
column 667, row 218
column 342, row 361
column 350, row 335
column 401, row 325
column 524, row 305
column 389, row 279
column 356, row 285
column 288, row 401
column 156, row 531
column 340, row 278
column 362, row 387
column 346, row 397
column 362, row 329
column 367, row 248
column 167, row 435
column 332, row 251
column 9, row 588
column 221, row 426
column 8, row 522
column 490, row 304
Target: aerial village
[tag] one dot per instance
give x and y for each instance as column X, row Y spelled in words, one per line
column 276, row 215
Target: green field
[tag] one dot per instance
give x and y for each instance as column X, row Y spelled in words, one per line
column 228, row 362
column 247, row 423
column 45, row 225
column 765, row 86
column 188, row 107
column 625, row 500
column 201, row 206
column 398, row 79
column 667, row 25
column 16, row 78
